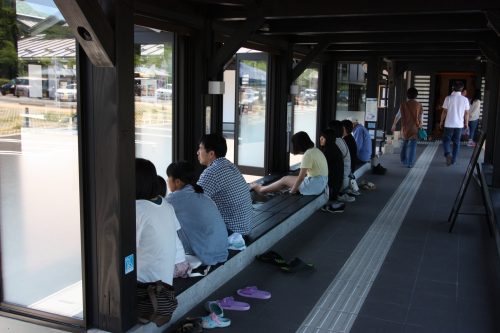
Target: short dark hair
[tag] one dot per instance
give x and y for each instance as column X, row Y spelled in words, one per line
column 412, row 93
column 301, row 142
column 146, row 180
column 214, row 142
column 347, row 125
column 337, row 127
column 458, row 86
column 185, row 172
column 162, row 186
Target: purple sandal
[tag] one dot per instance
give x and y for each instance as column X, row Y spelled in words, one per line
column 253, row 292
column 228, row 303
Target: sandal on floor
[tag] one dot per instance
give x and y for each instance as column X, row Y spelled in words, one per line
column 213, row 306
column 228, row 303
column 271, row 257
column 297, row 265
column 213, row 321
column 190, row 325
column 253, row 292
column 368, row 186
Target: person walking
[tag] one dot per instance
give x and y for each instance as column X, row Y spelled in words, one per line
column 410, row 113
column 454, row 118
column 475, row 109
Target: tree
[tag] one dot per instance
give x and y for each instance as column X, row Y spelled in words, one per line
column 8, row 40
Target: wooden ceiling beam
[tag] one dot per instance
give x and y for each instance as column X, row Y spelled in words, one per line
column 382, row 24
column 91, row 28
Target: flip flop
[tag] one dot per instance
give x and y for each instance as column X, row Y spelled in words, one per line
column 297, row 265
column 253, row 292
column 228, row 303
column 271, row 257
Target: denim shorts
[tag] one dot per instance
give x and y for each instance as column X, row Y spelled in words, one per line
column 313, row 185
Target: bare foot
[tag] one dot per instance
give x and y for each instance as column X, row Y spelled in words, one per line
column 256, row 187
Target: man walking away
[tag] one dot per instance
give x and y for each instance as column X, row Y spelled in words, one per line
column 455, row 116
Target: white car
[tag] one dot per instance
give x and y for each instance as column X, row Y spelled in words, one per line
column 67, row 94
column 164, row 93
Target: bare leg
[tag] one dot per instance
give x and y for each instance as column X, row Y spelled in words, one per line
column 285, row 182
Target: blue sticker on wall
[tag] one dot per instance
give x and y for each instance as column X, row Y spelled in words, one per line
column 129, row 263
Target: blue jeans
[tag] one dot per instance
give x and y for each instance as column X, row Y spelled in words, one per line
column 408, row 152
column 451, row 134
column 472, row 128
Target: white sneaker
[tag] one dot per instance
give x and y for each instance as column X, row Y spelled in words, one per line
column 346, row 198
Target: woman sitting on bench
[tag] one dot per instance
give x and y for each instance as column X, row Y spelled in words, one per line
column 313, row 175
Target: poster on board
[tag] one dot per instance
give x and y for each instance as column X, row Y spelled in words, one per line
column 371, row 109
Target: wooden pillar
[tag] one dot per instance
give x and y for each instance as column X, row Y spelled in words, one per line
column 107, row 146
column 280, row 66
column 490, row 109
column 327, row 108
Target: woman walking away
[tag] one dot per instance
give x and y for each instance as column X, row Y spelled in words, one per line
column 474, row 111
column 410, row 112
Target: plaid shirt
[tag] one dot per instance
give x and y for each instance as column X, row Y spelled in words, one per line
column 223, row 182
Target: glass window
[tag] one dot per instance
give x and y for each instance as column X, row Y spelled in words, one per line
column 39, row 170
column 153, row 96
column 252, row 84
column 351, row 90
column 306, row 107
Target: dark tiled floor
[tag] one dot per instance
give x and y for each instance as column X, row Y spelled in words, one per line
column 431, row 280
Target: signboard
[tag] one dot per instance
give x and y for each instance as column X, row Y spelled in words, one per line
column 371, row 109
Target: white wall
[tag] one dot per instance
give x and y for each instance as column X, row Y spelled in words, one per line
column 229, row 96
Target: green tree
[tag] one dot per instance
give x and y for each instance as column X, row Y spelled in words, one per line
column 8, row 38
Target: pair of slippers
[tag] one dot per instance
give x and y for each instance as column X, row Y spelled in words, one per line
column 229, row 303
column 292, row 266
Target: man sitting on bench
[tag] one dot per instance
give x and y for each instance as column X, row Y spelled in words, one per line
column 224, row 184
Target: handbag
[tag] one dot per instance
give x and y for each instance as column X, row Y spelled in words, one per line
column 422, row 134
column 156, row 302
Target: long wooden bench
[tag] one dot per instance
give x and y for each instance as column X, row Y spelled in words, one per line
column 274, row 217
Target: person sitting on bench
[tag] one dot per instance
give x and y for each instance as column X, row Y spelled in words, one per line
column 203, row 231
column 224, row 184
column 158, row 246
column 313, row 175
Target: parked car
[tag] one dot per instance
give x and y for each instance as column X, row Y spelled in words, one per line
column 17, row 87
column 67, row 94
column 308, row 95
column 164, row 93
column 8, row 88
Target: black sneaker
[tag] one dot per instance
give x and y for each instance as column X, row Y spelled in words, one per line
column 336, row 207
column 324, row 208
column 379, row 170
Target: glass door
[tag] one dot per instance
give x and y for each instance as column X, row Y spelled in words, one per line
column 251, row 112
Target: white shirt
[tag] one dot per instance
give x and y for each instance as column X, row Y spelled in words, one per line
column 475, row 109
column 158, row 246
column 457, row 105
